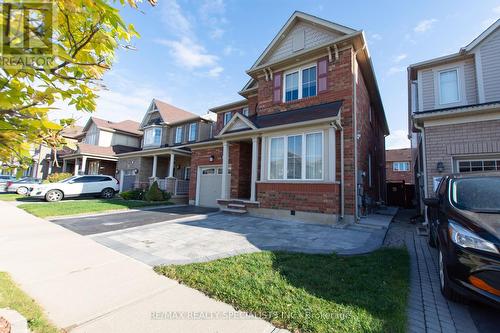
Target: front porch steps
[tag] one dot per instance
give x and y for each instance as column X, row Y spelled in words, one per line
column 236, row 206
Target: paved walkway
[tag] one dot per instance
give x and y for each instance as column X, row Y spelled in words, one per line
column 86, row 287
column 208, row 237
column 428, row 310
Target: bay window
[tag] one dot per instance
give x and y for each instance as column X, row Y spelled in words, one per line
column 152, row 136
column 192, row 131
column 448, row 86
column 296, row 157
column 178, row 134
column 300, row 83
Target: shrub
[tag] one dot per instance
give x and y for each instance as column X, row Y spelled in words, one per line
column 57, row 177
column 154, row 193
column 166, row 195
column 136, row 194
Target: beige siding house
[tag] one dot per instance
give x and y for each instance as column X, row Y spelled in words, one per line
column 454, row 111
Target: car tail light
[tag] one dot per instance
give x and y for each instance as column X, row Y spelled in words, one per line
column 9, row 183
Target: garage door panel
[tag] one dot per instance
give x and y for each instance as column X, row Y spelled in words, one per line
column 210, row 187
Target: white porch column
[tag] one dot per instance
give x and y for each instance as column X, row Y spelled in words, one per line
column 84, row 164
column 75, row 171
column 225, row 167
column 253, row 180
column 122, row 174
column 171, row 166
column 155, row 164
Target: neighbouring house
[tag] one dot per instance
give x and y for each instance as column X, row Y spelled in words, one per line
column 44, row 158
column 399, row 177
column 164, row 156
column 454, row 111
column 398, row 165
column 306, row 142
column 98, row 145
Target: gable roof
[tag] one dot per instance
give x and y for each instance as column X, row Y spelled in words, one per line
column 72, row 132
column 126, row 126
column 481, row 37
column 296, row 17
column 172, row 114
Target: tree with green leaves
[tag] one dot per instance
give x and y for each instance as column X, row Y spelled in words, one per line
column 84, row 37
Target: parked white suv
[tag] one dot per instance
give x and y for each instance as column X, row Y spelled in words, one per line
column 77, row 186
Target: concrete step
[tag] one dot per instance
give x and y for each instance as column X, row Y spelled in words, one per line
column 236, row 206
column 234, row 211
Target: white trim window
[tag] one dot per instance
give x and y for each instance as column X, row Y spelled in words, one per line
column 152, row 136
column 227, row 117
column 192, row 131
column 178, row 134
column 300, row 83
column 245, row 110
column 449, row 88
column 400, row 166
column 187, row 173
column 477, row 165
column 296, row 157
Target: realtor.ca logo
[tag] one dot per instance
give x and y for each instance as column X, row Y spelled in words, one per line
column 26, row 33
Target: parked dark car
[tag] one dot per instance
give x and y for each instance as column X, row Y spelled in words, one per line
column 464, row 225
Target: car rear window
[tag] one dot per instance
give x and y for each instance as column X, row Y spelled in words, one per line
column 478, row 194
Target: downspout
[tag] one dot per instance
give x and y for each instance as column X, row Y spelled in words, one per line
column 339, row 127
column 424, row 157
column 354, row 69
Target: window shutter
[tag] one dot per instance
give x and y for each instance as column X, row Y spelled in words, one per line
column 277, row 88
column 322, row 75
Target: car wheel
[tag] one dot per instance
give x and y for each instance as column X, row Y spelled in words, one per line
column 430, row 236
column 108, row 193
column 445, row 283
column 54, row 195
column 22, row 190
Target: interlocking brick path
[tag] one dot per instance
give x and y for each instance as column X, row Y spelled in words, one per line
column 428, row 310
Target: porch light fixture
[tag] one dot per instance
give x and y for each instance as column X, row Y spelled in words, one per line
column 440, row 167
column 136, row 171
column 211, row 158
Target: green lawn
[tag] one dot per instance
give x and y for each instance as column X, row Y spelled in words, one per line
column 14, row 197
column 44, row 209
column 309, row 293
column 13, row 297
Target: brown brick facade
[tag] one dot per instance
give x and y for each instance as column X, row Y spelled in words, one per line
column 305, row 197
column 445, row 143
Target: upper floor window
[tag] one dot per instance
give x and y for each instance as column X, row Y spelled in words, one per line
column 192, row 131
column 227, row 117
column 401, row 166
column 245, row 111
column 152, row 136
column 448, row 87
column 300, row 83
column 178, row 134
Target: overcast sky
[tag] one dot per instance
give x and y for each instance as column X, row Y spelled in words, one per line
column 194, row 54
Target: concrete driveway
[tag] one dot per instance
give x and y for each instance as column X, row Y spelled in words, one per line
column 128, row 219
column 207, row 237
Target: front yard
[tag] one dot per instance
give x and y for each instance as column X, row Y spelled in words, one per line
column 73, row 207
column 14, row 298
column 309, row 293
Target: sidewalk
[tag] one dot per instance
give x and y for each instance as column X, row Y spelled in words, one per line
column 86, row 287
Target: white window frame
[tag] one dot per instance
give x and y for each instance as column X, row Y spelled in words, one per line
column 178, row 134
column 482, row 159
column 151, row 130
column 398, row 163
column 191, row 131
column 299, row 70
column 303, row 161
column 226, row 118
column 245, row 111
column 187, row 173
column 459, row 93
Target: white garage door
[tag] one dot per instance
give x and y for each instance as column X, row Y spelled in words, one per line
column 210, row 183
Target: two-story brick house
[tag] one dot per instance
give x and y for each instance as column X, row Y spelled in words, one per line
column 454, row 111
column 98, row 145
column 306, row 141
column 164, row 155
column 398, row 165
